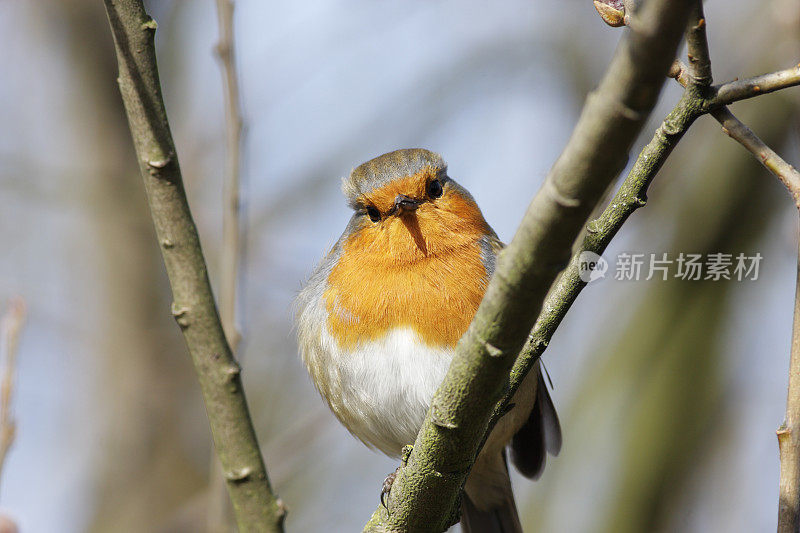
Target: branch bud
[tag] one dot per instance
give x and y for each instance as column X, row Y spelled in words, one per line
column 611, row 11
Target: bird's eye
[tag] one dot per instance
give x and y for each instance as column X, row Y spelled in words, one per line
column 374, row 214
column 435, row 189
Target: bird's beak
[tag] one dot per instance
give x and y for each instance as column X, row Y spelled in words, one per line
column 404, row 204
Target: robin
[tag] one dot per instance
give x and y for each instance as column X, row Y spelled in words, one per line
column 380, row 317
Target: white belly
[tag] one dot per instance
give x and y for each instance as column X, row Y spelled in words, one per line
column 381, row 390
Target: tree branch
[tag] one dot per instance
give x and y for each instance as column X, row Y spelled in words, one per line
column 697, row 45
column 231, row 234
column 698, row 74
column 255, row 506
column 742, row 134
column 632, row 194
column 425, row 493
column 736, row 90
column 219, row 509
column 10, row 328
column 773, row 162
column 789, row 432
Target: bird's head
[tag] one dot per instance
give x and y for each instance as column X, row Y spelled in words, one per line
column 407, row 208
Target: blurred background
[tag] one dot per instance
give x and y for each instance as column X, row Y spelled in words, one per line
column 669, row 392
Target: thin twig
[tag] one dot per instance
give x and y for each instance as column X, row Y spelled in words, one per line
column 255, row 506
column 231, row 233
column 737, row 90
column 742, row 134
column 773, row 162
column 789, row 432
column 697, row 45
column 220, row 515
column 10, row 329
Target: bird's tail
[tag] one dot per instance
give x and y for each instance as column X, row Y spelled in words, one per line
column 502, row 518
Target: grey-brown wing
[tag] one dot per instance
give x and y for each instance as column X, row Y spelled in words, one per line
column 540, row 435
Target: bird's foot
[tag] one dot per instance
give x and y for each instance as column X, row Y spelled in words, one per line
column 387, row 483
column 387, row 487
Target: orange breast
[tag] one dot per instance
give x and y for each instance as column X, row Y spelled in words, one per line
column 422, row 271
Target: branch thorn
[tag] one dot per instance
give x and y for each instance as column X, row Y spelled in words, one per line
column 239, row 475
column 179, row 314
column 233, row 371
column 492, row 350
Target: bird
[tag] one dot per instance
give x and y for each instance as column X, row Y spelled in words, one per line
column 379, row 318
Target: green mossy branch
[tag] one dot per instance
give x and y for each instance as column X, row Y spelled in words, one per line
column 255, row 506
column 631, row 195
column 430, row 476
column 426, row 491
column 699, row 98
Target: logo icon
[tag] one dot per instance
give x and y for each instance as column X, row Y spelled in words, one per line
column 591, row 266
